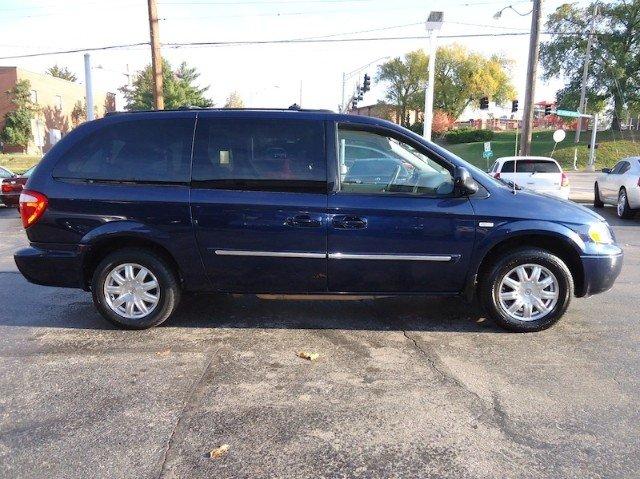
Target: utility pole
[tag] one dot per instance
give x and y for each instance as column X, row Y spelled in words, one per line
column 156, row 56
column 532, row 69
column 433, row 24
column 585, row 72
column 88, row 86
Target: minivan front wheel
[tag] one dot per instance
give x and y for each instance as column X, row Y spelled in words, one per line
column 135, row 289
column 527, row 290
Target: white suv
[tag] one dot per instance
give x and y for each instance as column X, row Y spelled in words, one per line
column 537, row 173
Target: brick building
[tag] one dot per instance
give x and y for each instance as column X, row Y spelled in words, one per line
column 386, row 112
column 61, row 105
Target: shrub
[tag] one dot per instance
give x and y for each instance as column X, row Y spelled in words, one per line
column 468, row 135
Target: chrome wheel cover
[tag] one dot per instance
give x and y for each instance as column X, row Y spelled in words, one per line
column 131, row 291
column 622, row 200
column 528, row 292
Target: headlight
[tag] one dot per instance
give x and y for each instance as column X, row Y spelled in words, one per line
column 600, row 233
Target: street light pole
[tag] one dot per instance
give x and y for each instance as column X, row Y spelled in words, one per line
column 585, row 73
column 532, row 68
column 433, row 24
column 88, row 84
column 428, row 97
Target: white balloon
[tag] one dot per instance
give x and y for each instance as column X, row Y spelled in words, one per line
column 559, row 135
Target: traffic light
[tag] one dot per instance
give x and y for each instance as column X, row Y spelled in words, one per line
column 484, row 103
column 514, row 106
column 360, row 93
column 366, row 84
column 547, row 110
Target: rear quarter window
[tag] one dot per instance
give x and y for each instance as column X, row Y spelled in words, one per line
column 136, row 151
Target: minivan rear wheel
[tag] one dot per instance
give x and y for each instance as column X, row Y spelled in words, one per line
column 135, row 289
column 527, row 290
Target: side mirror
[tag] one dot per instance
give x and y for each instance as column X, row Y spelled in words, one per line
column 463, row 182
column 606, row 170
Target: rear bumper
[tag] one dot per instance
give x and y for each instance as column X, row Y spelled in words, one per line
column 600, row 272
column 48, row 267
column 10, row 199
column 562, row 193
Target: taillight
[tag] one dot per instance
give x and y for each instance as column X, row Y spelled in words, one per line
column 32, row 206
column 565, row 180
column 7, row 188
column 497, row 176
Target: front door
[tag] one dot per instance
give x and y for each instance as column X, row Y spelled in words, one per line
column 394, row 222
column 258, row 200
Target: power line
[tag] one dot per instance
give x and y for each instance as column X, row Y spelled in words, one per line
column 284, row 41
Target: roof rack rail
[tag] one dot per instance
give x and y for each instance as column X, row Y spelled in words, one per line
column 189, row 107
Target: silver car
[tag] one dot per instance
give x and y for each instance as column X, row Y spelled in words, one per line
column 620, row 186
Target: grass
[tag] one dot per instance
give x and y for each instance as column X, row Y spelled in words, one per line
column 612, row 147
column 18, row 162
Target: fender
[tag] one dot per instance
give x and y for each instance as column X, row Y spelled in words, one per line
column 489, row 237
column 182, row 250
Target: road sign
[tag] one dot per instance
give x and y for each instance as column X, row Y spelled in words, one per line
column 571, row 114
column 487, row 146
column 487, row 154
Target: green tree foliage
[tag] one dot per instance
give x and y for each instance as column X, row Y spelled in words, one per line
column 405, row 77
column 17, row 127
column 178, row 88
column 461, row 77
column 61, row 72
column 234, row 100
column 615, row 55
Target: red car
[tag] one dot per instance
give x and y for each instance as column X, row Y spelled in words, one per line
column 12, row 187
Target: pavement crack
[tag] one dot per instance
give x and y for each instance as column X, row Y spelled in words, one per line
column 193, row 391
column 493, row 412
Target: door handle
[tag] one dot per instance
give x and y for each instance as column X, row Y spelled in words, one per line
column 303, row 221
column 349, row 222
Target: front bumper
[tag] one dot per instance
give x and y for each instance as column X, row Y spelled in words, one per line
column 600, row 272
column 51, row 267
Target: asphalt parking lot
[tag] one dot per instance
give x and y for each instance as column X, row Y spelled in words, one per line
column 402, row 388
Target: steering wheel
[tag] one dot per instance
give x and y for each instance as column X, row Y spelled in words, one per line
column 394, row 177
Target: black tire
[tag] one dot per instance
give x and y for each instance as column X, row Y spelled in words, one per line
column 623, row 209
column 490, row 286
column 597, row 202
column 168, row 289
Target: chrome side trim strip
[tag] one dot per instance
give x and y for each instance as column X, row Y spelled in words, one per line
column 392, row 257
column 274, row 254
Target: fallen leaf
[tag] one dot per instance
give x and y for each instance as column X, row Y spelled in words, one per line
column 218, row 452
column 166, row 352
column 309, row 356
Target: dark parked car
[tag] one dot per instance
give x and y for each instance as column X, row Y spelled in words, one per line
column 11, row 187
column 139, row 207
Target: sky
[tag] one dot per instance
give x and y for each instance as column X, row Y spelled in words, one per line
column 274, row 75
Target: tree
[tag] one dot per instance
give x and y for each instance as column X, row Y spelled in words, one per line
column 61, row 72
column 615, row 56
column 234, row 100
column 17, row 127
column 405, row 78
column 178, row 88
column 461, row 77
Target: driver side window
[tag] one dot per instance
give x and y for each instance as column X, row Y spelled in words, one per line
column 371, row 163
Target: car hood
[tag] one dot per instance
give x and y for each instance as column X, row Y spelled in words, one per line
column 528, row 204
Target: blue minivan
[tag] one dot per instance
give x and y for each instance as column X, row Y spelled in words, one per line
column 140, row 207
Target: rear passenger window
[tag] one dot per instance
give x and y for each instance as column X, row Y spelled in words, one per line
column 267, row 155
column 145, row 150
column 531, row 166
